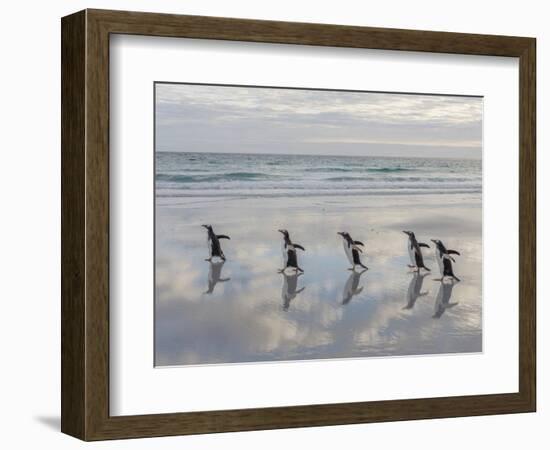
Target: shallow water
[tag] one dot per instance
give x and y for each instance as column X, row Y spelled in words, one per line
column 245, row 311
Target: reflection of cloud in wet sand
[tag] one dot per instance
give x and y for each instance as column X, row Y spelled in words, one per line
column 258, row 316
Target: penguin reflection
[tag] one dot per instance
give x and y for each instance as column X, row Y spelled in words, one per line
column 351, row 289
column 415, row 289
column 214, row 275
column 289, row 290
column 443, row 299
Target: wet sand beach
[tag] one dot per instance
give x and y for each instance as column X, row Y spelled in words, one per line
column 245, row 311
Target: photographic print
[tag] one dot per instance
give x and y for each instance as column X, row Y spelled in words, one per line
column 308, row 224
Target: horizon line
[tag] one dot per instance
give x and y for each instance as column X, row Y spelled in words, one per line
column 316, row 154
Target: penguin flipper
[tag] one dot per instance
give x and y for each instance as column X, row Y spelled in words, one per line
column 453, row 252
column 358, row 243
column 422, row 244
column 299, row 246
column 223, row 236
column 446, row 256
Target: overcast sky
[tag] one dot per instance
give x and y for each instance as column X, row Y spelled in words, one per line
column 193, row 118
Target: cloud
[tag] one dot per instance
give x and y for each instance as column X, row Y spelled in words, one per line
column 265, row 120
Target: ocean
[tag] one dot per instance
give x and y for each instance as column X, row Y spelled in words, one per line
column 247, row 175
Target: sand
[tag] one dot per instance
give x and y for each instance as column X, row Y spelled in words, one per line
column 245, row 311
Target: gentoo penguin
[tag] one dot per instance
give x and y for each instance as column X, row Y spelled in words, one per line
column 351, row 289
column 214, row 275
column 444, row 259
column 290, row 258
column 415, row 252
column 443, row 299
column 289, row 290
column 415, row 290
column 213, row 240
column 352, row 250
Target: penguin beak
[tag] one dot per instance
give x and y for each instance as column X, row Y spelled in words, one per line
column 434, row 241
column 281, row 231
column 406, row 232
column 340, row 233
column 205, row 226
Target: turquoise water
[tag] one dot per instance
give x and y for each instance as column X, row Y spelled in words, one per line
column 215, row 175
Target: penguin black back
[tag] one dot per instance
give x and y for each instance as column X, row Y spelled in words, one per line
column 352, row 250
column 290, row 257
column 214, row 246
column 415, row 251
column 445, row 259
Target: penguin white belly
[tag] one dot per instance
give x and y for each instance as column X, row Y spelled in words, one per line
column 411, row 254
column 209, row 245
column 349, row 254
column 284, row 252
column 439, row 260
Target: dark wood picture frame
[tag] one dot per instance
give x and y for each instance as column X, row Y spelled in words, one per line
column 85, row 224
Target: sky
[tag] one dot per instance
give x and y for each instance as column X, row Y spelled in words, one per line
column 229, row 119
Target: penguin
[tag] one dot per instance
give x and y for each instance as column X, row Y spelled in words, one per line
column 444, row 258
column 352, row 250
column 415, row 252
column 443, row 299
column 290, row 257
column 214, row 275
column 415, row 289
column 351, row 289
column 289, row 290
column 214, row 247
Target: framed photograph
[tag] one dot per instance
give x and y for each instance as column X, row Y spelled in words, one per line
column 272, row 225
